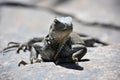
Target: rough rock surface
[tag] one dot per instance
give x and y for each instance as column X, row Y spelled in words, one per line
column 104, row 64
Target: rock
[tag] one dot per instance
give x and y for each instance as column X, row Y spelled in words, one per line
column 104, row 63
column 91, row 11
column 16, row 22
column 21, row 24
column 110, row 36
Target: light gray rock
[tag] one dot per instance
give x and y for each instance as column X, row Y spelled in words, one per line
column 110, row 36
column 91, row 11
column 104, row 64
column 20, row 24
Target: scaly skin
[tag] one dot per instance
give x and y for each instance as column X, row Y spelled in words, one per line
column 61, row 45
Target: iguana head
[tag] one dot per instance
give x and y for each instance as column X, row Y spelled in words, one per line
column 62, row 24
column 61, row 28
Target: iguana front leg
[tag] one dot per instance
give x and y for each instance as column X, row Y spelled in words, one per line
column 26, row 46
column 78, row 52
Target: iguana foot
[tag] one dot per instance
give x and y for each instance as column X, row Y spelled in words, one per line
column 35, row 61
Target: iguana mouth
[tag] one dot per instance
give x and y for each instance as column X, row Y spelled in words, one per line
column 67, row 28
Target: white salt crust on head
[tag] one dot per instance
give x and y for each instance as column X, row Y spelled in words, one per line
column 65, row 20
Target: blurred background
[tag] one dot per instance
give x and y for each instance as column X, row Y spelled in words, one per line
column 21, row 20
